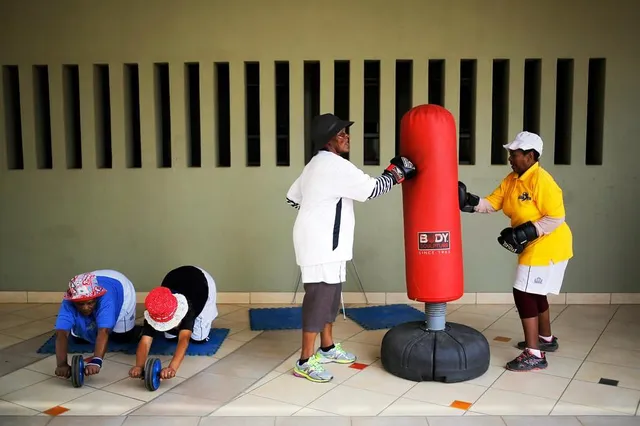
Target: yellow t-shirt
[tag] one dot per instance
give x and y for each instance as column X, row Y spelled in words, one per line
column 530, row 197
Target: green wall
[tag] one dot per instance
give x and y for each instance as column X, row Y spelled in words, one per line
column 234, row 221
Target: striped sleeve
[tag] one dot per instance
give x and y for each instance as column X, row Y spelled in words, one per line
column 384, row 183
column 293, row 203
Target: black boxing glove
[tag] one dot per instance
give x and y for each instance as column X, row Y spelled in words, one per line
column 466, row 200
column 400, row 169
column 516, row 239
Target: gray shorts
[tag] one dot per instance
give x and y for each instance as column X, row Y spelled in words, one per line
column 320, row 305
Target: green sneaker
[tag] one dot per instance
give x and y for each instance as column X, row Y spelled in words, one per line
column 336, row 354
column 312, row 370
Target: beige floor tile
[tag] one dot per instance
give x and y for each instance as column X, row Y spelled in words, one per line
column 46, row 394
column 9, row 321
column 608, row 355
column 237, row 421
column 345, row 329
column 228, row 346
column 501, row 355
column 246, row 335
column 227, row 309
column 377, row 379
column 586, row 323
column 6, row 308
column 592, row 372
column 411, row 407
column 573, row 349
column 445, row 393
column 191, row 365
column 30, row 329
column 602, row 396
column 622, row 336
column 161, row 421
column 6, row 341
column 308, row 412
column 261, row 347
column 100, row 403
column 478, row 420
column 492, row 333
column 542, row 385
column 477, row 321
column 564, row 333
column 540, row 420
column 318, row 420
column 9, row 409
column 133, row 388
column 243, row 366
column 85, row 420
column 20, row 379
column 627, row 314
column 384, row 421
column 513, row 325
column 365, row 354
column 233, row 326
column 213, row 386
column 238, row 316
column 264, row 380
column 370, row 337
column 489, row 310
column 111, row 372
column 47, row 310
column 560, row 366
column 292, row 390
column 171, row 404
column 253, row 405
column 563, row 408
column 348, row 401
column 599, row 420
column 488, row 378
column 503, row 403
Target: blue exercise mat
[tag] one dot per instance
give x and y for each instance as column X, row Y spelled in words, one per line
column 276, row 318
column 160, row 345
column 386, row 316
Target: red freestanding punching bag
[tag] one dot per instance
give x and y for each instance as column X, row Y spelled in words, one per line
column 432, row 229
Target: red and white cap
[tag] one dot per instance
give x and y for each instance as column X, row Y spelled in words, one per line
column 84, row 287
column 164, row 310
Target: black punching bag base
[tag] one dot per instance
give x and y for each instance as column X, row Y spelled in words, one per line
column 456, row 354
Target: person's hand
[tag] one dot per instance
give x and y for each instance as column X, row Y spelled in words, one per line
column 135, row 372
column 400, row 169
column 63, row 371
column 167, row 373
column 92, row 365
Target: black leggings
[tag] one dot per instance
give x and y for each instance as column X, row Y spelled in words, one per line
column 530, row 305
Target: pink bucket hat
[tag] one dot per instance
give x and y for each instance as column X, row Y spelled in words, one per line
column 84, row 287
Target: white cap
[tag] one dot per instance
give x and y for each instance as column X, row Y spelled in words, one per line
column 525, row 141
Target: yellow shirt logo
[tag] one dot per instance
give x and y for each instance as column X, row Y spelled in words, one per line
column 531, row 197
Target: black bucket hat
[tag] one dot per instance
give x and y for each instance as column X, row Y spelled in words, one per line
column 324, row 127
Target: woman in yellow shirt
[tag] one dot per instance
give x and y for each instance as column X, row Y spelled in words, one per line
column 538, row 234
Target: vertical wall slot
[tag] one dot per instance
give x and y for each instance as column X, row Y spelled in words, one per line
column 564, row 111
column 404, row 94
column 311, row 103
column 42, row 110
column 341, row 94
column 192, row 91
column 467, row 118
column 12, row 117
column 71, row 96
column 223, row 114
column 282, row 113
column 252, row 111
column 595, row 111
column 102, row 108
column 371, row 113
column 163, row 114
column 133, row 139
column 532, row 80
column 436, row 81
column 499, row 111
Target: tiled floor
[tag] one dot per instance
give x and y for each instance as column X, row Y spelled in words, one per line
column 249, row 380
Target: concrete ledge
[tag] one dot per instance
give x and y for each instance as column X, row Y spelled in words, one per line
column 355, row 297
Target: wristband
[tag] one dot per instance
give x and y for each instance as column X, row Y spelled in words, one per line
column 95, row 361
